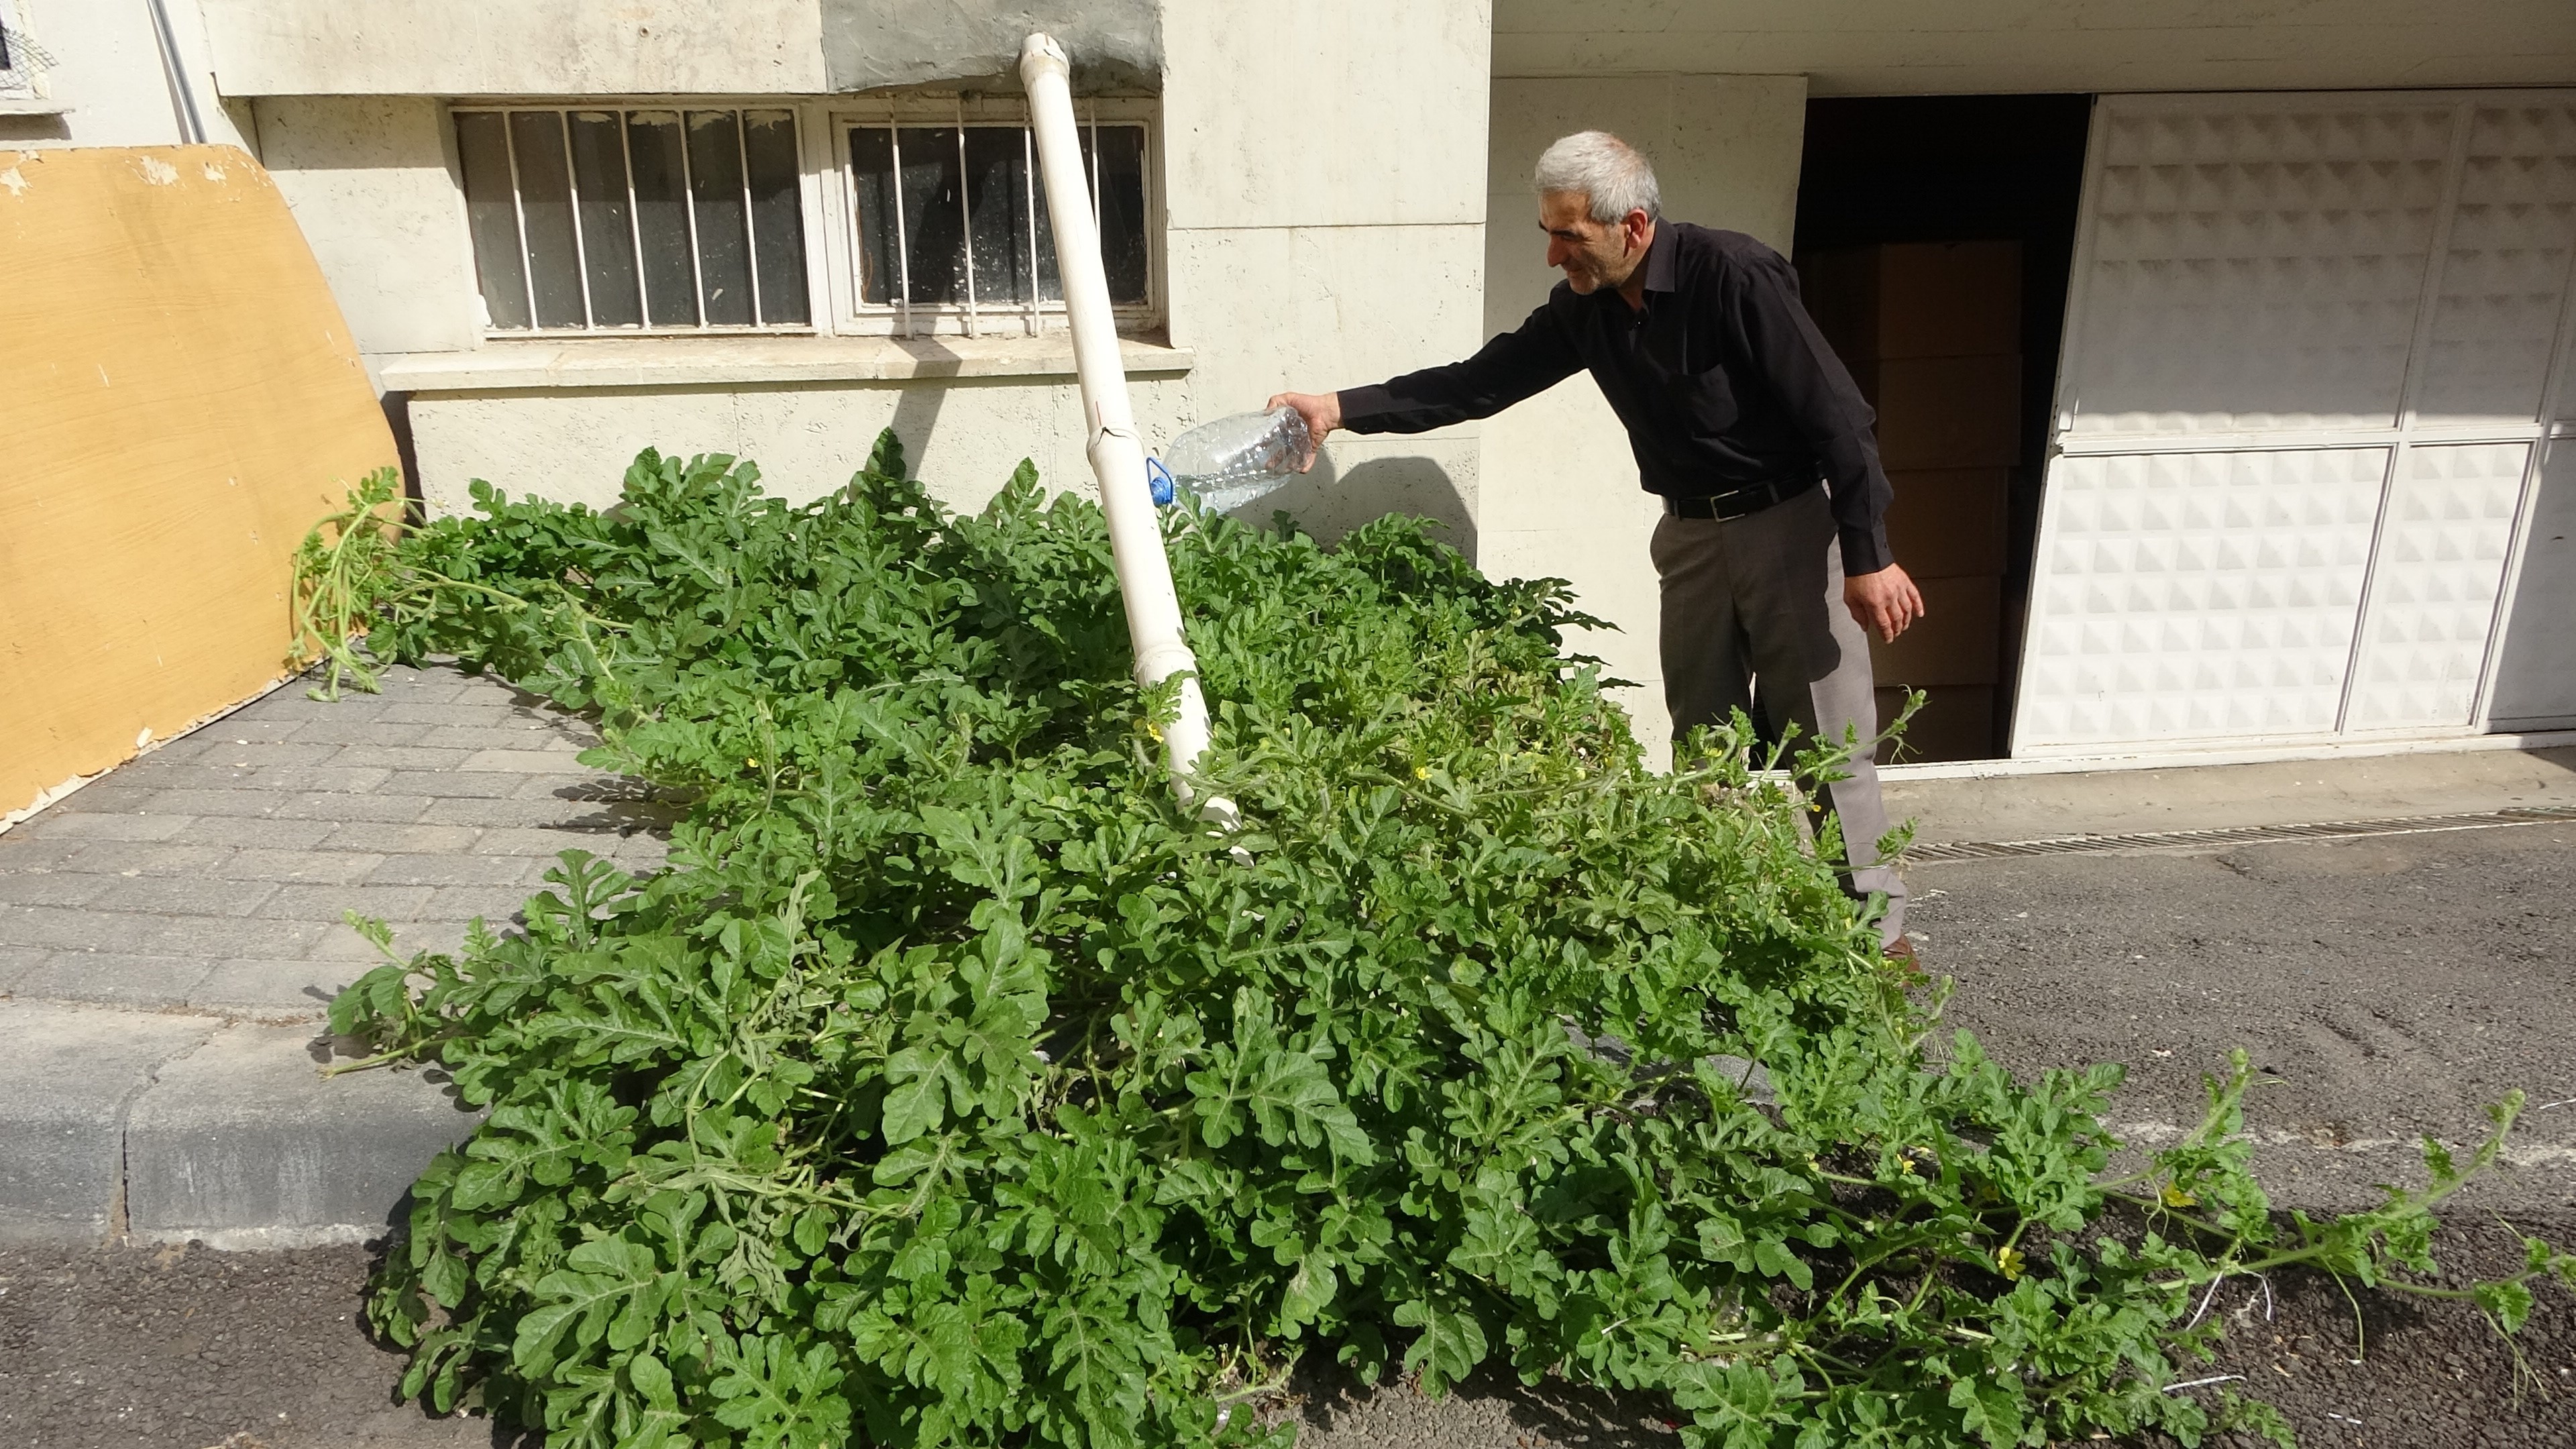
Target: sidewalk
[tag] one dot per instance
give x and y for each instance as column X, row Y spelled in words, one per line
column 171, row 936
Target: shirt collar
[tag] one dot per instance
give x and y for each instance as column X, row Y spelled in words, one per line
column 1659, row 259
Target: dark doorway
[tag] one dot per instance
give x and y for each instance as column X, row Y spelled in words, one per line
column 1935, row 239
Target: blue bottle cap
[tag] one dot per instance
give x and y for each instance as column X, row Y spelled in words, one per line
column 1159, row 479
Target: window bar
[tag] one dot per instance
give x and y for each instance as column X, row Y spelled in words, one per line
column 519, row 210
column 750, row 223
column 902, row 242
column 580, row 251
column 1029, row 174
column 966, row 218
column 635, row 224
column 1091, row 109
column 689, row 208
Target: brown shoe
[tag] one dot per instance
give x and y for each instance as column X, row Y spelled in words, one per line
column 1901, row 952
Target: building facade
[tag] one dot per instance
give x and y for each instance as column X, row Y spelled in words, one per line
column 2226, row 350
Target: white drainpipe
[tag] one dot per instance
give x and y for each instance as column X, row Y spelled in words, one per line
column 1117, row 454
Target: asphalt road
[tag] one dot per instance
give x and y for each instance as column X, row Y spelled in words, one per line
column 2391, row 985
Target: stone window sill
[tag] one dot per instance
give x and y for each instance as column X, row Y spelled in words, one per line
column 546, row 364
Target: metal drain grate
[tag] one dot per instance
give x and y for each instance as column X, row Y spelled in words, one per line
column 2246, row 835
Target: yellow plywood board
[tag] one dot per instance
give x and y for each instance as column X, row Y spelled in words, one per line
column 183, row 401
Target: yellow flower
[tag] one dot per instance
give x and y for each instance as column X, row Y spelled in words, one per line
column 1421, row 773
column 2175, row 1197
column 755, row 764
column 1905, row 1165
column 2009, row 1262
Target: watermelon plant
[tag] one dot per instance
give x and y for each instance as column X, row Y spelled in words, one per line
column 953, row 1086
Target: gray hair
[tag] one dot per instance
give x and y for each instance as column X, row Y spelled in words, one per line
column 1604, row 169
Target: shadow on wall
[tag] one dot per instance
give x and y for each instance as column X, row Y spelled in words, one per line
column 1330, row 502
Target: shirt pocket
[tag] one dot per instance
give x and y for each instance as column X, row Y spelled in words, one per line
column 1705, row 402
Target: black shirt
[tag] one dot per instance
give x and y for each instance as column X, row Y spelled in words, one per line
column 1722, row 379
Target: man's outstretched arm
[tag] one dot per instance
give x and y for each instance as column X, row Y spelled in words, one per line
column 1515, row 365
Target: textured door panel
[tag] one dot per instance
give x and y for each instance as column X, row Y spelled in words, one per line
column 2198, row 595
column 2536, row 671
column 2442, row 546
column 2310, row 343
column 2504, row 269
column 2256, row 269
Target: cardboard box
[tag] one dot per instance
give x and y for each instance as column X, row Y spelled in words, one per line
column 1956, row 722
column 1945, row 412
column 1959, row 639
column 1916, row 299
column 1950, row 522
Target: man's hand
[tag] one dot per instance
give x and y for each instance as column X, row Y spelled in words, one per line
column 1884, row 602
column 1322, row 412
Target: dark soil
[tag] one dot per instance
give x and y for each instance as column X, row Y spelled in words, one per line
column 186, row 1348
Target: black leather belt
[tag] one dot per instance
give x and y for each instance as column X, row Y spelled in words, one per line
column 1737, row 502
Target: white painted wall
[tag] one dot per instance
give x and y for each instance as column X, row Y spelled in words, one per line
column 1907, row 47
column 368, row 180
column 1326, row 201
column 1559, row 485
column 108, row 70
column 963, row 438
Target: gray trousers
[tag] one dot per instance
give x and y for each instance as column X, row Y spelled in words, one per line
column 1762, row 597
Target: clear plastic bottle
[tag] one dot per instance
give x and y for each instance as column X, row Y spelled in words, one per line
column 1232, row 461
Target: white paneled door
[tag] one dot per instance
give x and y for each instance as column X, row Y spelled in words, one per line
column 2301, row 484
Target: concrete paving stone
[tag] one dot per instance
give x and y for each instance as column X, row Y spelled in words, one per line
column 160, row 772
column 121, row 790
column 491, row 903
column 51, row 888
column 452, row 784
column 327, row 867
column 16, row 961
column 222, row 937
column 239, row 802
column 454, row 870
column 260, row 832
column 262, row 754
column 351, row 730
column 540, row 840
column 275, row 990
column 245, row 727
column 401, row 757
column 67, row 1081
column 61, row 927
column 526, row 762
column 515, row 737
column 336, row 779
column 296, row 704
column 327, row 903
column 148, row 857
column 389, row 839
column 109, row 978
column 184, row 895
column 446, row 938
column 61, row 824
column 464, row 810
column 245, row 1135
column 438, row 688
column 23, row 850
column 477, row 710
column 323, row 805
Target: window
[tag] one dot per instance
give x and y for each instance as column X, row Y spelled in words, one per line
column 675, row 219
column 23, row 63
column 950, row 218
column 909, row 215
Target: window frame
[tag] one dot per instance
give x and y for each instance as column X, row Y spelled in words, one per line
column 827, row 185
column 904, row 318
column 23, row 63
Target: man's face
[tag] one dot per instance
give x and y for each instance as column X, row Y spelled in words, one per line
column 1592, row 254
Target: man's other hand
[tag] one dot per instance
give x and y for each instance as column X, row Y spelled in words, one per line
column 1884, row 602
column 1322, row 412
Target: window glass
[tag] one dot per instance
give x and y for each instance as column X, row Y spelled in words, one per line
column 717, row 201
column 492, row 217
column 662, row 217
column 777, row 214
column 607, row 218
column 545, row 216
column 934, row 224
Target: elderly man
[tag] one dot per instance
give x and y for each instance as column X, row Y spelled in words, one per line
column 1738, row 411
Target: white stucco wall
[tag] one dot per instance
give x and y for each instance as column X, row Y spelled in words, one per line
column 962, row 438
column 109, row 73
column 1907, row 47
column 524, row 47
column 1559, row 485
column 368, row 180
column 1327, row 224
